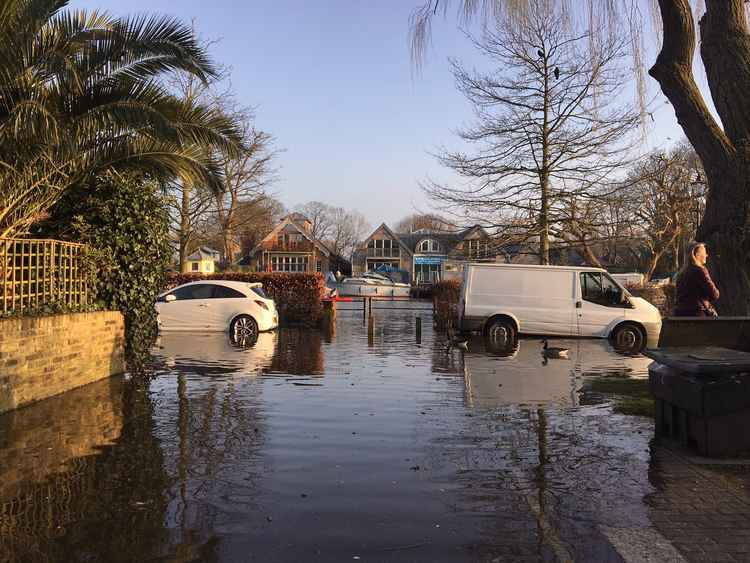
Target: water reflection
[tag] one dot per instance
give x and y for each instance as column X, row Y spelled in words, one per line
column 93, row 478
column 406, row 449
column 518, row 373
column 213, row 354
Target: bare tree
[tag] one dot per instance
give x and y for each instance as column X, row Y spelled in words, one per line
column 340, row 229
column 348, row 229
column 550, row 124
column 256, row 219
column 246, row 180
column 319, row 214
column 721, row 145
column 664, row 184
column 428, row 221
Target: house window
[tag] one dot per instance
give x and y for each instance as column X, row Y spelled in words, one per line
column 476, row 248
column 289, row 263
column 318, row 265
column 429, row 245
column 427, row 273
column 195, row 266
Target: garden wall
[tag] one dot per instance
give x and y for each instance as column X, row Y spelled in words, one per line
column 297, row 296
column 44, row 356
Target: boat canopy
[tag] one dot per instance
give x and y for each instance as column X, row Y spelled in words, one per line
column 396, row 275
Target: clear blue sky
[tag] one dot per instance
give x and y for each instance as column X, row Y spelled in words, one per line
column 332, row 80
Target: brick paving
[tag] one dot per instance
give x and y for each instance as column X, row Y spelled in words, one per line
column 703, row 508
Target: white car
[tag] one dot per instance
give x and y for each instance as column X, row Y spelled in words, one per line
column 241, row 308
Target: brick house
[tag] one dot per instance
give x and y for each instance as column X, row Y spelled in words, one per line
column 290, row 247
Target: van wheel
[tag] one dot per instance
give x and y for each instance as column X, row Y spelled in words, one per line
column 628, row 337
column 243, row 329
column 500, row 330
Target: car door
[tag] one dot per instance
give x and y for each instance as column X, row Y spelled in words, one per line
column 189, row 310
column 601, row 302
column 226, row 303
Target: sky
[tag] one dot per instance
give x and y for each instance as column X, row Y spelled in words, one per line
column 333, row 82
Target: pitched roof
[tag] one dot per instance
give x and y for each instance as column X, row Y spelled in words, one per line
column 283, row 226
column 204, row 253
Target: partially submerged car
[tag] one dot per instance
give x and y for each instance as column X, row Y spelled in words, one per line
column 243, row 309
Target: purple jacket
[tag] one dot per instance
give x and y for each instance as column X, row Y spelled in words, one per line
column 695, row 291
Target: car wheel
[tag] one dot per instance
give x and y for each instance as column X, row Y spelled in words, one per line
column 244, row 328
column 501, row 330
column 628, row 337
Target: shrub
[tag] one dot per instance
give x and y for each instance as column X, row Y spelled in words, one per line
column 661, row 296
column 123, row 221
column 445, row 300
column 298, row 296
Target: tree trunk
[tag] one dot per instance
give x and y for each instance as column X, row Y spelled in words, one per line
column 725, row 154
column 544, row 176
column 591, row 258
column 184, row 234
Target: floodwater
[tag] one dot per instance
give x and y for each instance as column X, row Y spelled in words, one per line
column 350, row 445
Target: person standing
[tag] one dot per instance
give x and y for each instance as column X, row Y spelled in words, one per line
column 695, row 289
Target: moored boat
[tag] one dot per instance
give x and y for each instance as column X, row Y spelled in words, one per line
column 371, row 284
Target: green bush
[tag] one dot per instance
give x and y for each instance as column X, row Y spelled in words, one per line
column 124, row 223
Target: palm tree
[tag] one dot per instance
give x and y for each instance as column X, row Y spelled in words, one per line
column 83, row 92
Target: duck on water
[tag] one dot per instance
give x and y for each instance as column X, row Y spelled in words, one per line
column 553, row 352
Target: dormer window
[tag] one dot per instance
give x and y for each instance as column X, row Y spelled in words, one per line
column 429, row 245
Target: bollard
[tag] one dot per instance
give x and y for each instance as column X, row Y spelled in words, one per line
column 419, row 329
column 370, row 331
column 329, row 320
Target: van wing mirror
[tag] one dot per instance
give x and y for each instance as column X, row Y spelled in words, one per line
column 171, row 297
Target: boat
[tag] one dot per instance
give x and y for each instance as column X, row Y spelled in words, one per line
column 370, row 284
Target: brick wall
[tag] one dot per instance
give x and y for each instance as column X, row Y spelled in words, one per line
column 44, row 356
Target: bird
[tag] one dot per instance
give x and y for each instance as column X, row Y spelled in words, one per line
column 461, row 344
column 550, row 352
column 557, row 72
column 540, row 53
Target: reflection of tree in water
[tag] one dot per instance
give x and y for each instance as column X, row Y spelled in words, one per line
column 107, row 507
column 299, row 351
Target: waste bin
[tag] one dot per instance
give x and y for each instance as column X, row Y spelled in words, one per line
column 702, row 398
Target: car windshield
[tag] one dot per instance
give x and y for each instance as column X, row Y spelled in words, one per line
column 259, row 291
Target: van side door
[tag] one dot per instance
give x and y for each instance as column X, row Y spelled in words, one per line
column 600, row 302
column 546, row 302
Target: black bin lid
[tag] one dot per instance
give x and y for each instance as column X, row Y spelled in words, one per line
column 701, row 359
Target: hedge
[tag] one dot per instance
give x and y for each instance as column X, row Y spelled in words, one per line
column 661, row 296
column 298, row 296
column 445, row 295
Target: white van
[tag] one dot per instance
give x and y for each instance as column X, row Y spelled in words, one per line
column 554, row 300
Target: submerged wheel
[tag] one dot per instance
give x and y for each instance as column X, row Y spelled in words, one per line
column 244, row 328
column 628, row 337
column 500, row 330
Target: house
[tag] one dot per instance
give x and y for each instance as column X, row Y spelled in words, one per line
column 203, row 260
column 382, row 247
column 427, row 255
column 290, row 247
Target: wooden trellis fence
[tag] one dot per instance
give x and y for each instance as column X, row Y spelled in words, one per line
column 36, row 272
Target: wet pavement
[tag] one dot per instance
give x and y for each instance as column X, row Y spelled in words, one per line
column 358, row 445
